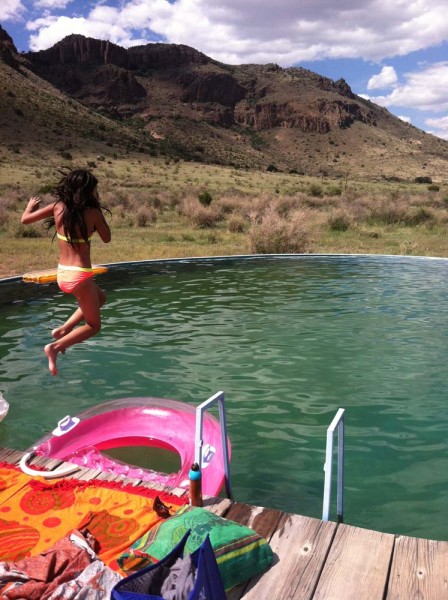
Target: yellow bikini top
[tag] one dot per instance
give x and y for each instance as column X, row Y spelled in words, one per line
column 70, row 241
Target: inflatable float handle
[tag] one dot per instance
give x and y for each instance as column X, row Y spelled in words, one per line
column 45, row 474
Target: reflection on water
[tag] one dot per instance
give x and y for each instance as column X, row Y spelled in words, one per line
column 289, row 340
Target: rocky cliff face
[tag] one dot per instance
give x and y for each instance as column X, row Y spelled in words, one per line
column 98, row 72
column 8, row 51
column 164, row 56
column 79, row 50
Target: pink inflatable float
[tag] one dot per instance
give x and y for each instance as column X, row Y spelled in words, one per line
column 152, row 422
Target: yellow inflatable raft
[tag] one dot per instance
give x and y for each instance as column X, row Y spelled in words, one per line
column 49, row 275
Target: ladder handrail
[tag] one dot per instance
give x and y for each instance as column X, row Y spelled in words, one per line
column 200, row 410
column 337, row 423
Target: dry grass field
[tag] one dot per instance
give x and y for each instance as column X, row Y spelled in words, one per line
column 162, row 208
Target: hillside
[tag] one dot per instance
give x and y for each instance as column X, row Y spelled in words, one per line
column 173, row 100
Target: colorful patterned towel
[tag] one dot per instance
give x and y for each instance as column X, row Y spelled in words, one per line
column 68, row 570
column 11, row 480
column 37, row 514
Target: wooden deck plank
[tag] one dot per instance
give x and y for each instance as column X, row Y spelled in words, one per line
column 357, row 565
column 4, row 453
column 219, row 506
column 300, row 545
column 262, row 520
column 11, row 457
column 419, row 570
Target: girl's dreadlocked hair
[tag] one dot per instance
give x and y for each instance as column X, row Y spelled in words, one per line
column 76, row 193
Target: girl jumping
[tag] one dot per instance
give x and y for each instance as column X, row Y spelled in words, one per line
column 76, row 214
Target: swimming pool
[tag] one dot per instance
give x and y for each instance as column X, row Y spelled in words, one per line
column 289, row 339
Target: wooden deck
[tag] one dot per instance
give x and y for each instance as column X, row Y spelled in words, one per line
column 315, row 560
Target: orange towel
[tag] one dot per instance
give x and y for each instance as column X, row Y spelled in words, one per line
column 40, row 513
column 11, row 480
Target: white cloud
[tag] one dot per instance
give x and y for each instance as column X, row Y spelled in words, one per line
column 51, row 4
column 286, row 32
column 11, row 10
column 51, row 30
column 439, row 126
column 405, row 119
column 386, row 78
column 425, row 90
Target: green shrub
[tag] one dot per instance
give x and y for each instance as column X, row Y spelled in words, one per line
column 334, row 190
column 417, row 216
column 205, row 198
column 340, row 220
column 47, row 188
column 433, row 187
column 25, row 231
column 272, row 169
column 423, row 179
column 315, row 190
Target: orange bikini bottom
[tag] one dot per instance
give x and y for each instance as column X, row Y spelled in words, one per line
column 71, row 276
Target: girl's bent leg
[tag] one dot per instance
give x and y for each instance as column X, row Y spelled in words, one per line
column 76, row 318
column 89, row 297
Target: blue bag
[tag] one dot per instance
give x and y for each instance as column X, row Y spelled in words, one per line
column 147, row 583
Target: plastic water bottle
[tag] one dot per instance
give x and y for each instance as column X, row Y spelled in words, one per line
column 4, row 407
column 195, row 485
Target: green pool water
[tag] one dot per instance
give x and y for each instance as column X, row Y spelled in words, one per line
column 289, row 340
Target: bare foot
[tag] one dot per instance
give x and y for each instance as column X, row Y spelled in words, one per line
column 51, row 353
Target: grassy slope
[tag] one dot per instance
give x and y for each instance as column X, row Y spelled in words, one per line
column 136, row 179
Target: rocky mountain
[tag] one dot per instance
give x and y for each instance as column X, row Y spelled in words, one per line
column 172, row 99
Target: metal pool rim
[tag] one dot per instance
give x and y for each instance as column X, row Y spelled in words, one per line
column 190, row 259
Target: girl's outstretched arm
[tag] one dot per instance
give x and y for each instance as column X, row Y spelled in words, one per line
column 101, row 226
column 33, row 213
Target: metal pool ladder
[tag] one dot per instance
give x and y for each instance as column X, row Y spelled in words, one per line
column 337, row 423
column 217, row 398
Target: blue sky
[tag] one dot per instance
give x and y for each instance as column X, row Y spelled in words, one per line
column 394, row 52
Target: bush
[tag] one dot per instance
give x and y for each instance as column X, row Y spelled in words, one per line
column 419, row 215
column 25, row 231
column 272, row 169
column 236, row 224
column 200, row 216
column 423, row 179
column 4, row 217
column 340, row 220
column 387, row 214
column 275, row 235
column 334, row 190
column 315, row 190
column 48, row 188
column 145, row 216
column 205, row 217
column 205, row 198
column 433, row 188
